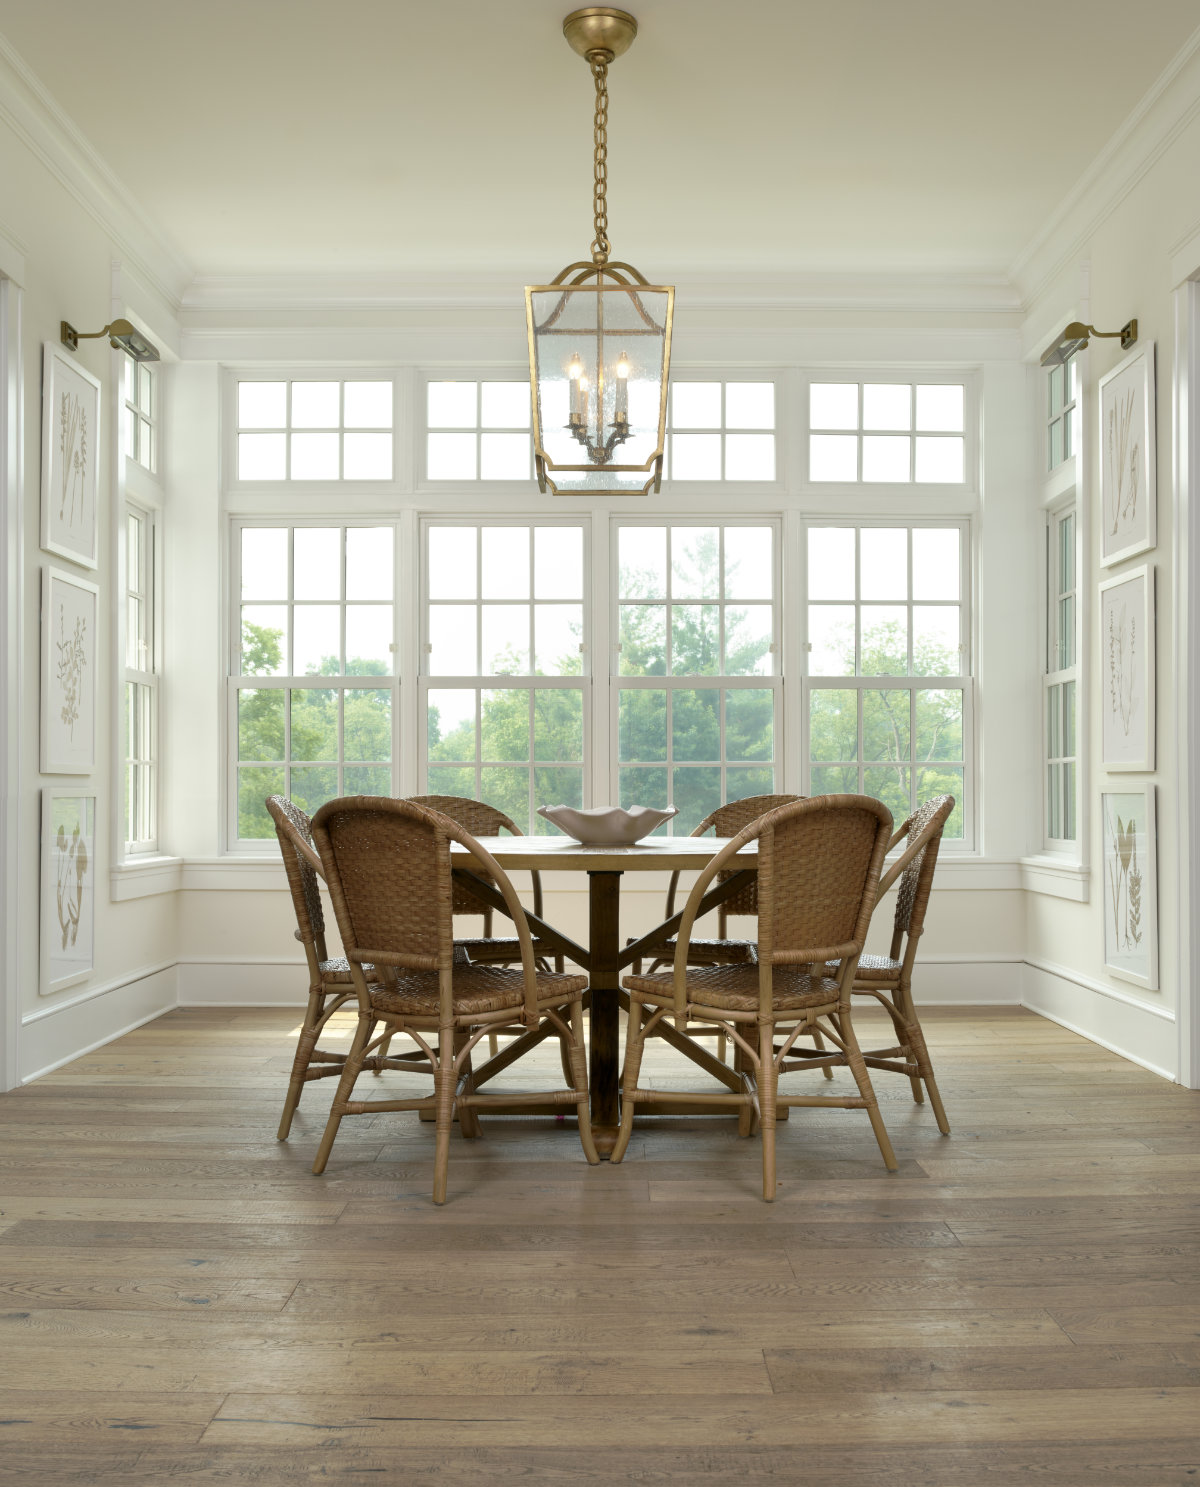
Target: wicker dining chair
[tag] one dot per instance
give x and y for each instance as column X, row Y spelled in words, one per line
column 819, row 862
column 387, row 863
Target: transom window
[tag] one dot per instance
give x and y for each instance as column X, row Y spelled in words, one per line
column 478, row 431
column 884, row 603
column 141, row 413
column 889, row 433
column 1062, row 413
column 721, row 431
column 313, row 667
column 302, row 430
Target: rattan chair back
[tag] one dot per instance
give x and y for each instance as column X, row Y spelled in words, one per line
column 728, row 820
column 480, row 820
column 922, row 831
column 302, row 865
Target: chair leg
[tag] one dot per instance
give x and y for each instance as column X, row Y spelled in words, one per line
column 305, row 1047
column 350, row 1072
column 722, row 1046
column 577, row 1061
column 634, row 1044
column 768, row 1083
column 468, row 1117
column 920, row 1050
column 742, row 1064
column 443, row 1087
column 381, row 1053
column 493, row 1044
column 862, row 1078
column 819, row 1045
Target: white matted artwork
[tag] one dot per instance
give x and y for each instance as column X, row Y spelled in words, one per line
column 68, row 887
column 1128, row 492
column 70, row 457
column 1127, row 665
column 69, row 650
column 1130, row 886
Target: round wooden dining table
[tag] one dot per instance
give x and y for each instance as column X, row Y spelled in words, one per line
column 604, row 957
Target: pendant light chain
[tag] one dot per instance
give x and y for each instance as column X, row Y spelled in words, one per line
column 600, row 244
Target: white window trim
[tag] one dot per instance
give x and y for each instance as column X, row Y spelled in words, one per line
column 784, row 426
column 513, row 490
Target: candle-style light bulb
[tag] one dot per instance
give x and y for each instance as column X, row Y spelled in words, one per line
column 622, row 405
column 574, row 373
column 582, row 384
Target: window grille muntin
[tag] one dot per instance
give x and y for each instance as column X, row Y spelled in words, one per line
column 314, row 429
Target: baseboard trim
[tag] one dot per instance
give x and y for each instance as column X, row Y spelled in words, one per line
column 1116, row 1023
column 98, row 1018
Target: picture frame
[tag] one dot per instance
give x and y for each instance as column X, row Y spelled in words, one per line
column 1128, row 482
column 1127, row 620
column 68, row 887
column 70, row 457
column 70, row 615
column 1129, row 831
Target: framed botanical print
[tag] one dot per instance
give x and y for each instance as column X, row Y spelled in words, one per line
column 69, row 650
column 1127, row 670
column 1130, row 885
column 68, row 887
column 70, row 457
column 1128, row 497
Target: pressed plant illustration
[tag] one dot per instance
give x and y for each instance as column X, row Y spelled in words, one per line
column 73, row 446
column 1125, row 883
column 70, row 869
column 72, row 658
column 1124, row 460
column 1122, row 664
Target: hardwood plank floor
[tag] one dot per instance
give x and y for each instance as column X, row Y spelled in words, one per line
column 182, row 1302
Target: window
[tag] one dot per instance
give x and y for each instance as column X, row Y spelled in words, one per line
column 478, row 431
column 721, row 431
column 505, row 703
column 1061, row 679
column 698, row 688
column 314, row 430
column 890, row 433
column 141, row 413
column 313, row 687
column 139, row 703
column 889, row 693
column 1062, row 413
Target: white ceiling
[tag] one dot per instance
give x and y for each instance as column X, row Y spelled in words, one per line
column 865, row 135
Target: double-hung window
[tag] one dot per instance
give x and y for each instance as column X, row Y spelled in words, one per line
column 698, row 686
column 140, row 394
column 313, row 684
column 1061, row 678
column 139, row 699
column 889, row 689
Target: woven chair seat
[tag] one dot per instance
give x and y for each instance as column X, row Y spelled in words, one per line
column 877, row 968
column 498, row 948
column 477, row 989
column 734, row 988
column 709, row 952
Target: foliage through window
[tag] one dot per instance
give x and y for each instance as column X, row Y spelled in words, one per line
column 310, row 430
column 889, row 433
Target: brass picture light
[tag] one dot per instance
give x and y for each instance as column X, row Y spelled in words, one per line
column 1076, row 337
column 122, row 335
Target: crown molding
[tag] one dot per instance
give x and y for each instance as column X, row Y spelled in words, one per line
column 37, row 119
column 1168, row 107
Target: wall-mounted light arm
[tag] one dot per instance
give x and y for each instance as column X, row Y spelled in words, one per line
column 1076, row 337
column 122, row 335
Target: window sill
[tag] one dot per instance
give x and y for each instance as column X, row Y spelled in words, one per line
column 143, row 877
column 1058, row 877
column 249, row 873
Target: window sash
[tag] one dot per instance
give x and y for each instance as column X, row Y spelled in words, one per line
column 139, row 695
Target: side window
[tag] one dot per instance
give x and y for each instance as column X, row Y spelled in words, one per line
column 139, row 699
column 887, row 433
column 1061, row 681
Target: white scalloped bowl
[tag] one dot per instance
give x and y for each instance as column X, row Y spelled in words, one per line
column 606, row 825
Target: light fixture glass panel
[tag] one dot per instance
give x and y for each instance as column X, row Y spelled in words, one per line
column 317, row 563
column 367, row 728
column 558, row 562
column 369, row 640
column 833, row 405
column 262, row 456
column 367, row 456
column 748, row 635
column 369, row 558
column 936, row 560
column 452, row 405
column 557, row 724
column 696, row 405
column 450, row 723
column 262, row 405
column 749, row 456
column 452, row 558
column 505, row 562
column 367, row 405
column 264, row 640
column 505, row 640
column 748, row 573
column 696, row 723
column 643, row 640
column 504, row 724
column 316, row 640
column 643, row 562
column 885, row 458
column 749, row 405
column 504, row 405
column 831, row 638
column 940, row 460
column 696, row 563
column 883, row 645
column 940, row 408
column 831, row 563
column 833, row 457
column 450, row 457
column 641, row 724
column 883, row 563
column 833, row 725
column 315, row 405
column 314, row 733
column 695, row 457
column 315, row 456
column 505, row 457
column 749, row 723
column 887, row 405
column 454, row 649
column 557, row 631
column 264, row 563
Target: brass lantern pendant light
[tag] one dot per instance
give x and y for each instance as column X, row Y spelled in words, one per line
column 600, row 334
